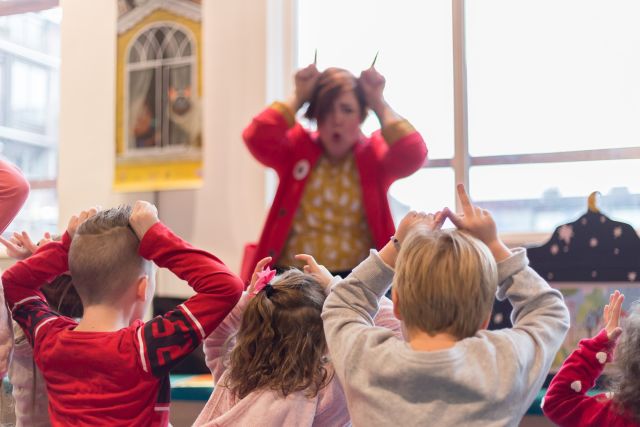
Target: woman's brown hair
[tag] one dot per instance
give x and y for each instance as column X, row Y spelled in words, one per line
column 280, row 344
column 331, row 83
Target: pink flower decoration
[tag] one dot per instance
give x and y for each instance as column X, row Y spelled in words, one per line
column 264, row 277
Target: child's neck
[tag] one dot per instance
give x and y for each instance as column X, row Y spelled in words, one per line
column 422, row 341
column 102, row 318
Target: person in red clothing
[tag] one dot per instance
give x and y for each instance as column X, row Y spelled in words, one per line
column 332, row 194
column 110, row 368
column 566, row 402
column 14, row 190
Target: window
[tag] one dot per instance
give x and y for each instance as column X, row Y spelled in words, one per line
column 29, row 105
column 546, row 94
column 161, row 78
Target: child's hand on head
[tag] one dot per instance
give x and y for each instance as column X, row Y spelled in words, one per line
column 480, row 224
column 20, row 245
column 254, row 277
column 612, row 315
column 320, row 272
column 77, row 220
column 143, row 216
column 420, row 219
column 476, row 221
column 412, row 220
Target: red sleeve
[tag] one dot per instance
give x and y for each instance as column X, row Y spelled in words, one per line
column 24, row 278
column 22, row 282
column 566, row 402
column 269, row 138
column 169, row 338
column 403, row 157
column 14, row 190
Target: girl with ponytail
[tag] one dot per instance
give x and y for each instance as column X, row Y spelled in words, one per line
column 269, row 356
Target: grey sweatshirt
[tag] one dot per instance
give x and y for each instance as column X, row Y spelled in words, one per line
column 490, row 379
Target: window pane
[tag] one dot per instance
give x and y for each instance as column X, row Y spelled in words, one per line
column 38, row 215
column 29, row 96
column 36, row 31
column 144, row 129
column 429, row 190
column 182, row 131
column 35, row 161
column 546, row 76
column 539, row 197
column 414, row 41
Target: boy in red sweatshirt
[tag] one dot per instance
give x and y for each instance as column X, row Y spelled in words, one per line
column 111, row 368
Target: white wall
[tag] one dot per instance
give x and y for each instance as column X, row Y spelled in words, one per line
column 230, row 208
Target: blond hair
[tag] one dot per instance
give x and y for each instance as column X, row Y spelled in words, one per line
column 103, row 257
column 445, row 282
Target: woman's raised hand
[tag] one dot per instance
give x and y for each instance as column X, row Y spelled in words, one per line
column 373, row 83
column 305, row 81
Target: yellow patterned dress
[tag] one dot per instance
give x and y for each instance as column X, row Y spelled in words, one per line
column 331, row 218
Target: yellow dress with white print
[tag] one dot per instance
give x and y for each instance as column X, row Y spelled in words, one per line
column 330, row 223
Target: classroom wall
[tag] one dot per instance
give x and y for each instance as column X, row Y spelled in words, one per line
column 230, row 208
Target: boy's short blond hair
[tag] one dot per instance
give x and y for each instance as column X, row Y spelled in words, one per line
column 103, row 257
column 445, row 281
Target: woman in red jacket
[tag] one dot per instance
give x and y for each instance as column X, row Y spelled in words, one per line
column 331, row 200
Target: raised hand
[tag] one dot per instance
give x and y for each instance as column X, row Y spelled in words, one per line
column 480, row 224
column 143, row 216
column 76, row 220
column 320, row 272
column 412, row 220
column 373, row 83
column 612, row 315
column 254, row 277
column 19, row 246
column 305, row 81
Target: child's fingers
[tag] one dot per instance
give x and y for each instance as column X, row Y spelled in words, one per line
column 613, row 335
column 456, row 219
column 464, row 199
column 441, row 217
column 616, row 309
column 28, row 243
column 261, row 264
column 307, row 259
column 611, row 299
column 606, row 313
column 7, row 244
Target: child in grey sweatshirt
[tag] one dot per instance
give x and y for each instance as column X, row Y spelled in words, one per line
column 450, row 371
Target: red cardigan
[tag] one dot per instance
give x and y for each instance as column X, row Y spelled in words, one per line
column 566, row 402
column 293, row 152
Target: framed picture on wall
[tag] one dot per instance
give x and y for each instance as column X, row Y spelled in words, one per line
column 159, row 91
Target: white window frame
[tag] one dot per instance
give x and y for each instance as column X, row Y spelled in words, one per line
column 36, row 139
column 462, row 161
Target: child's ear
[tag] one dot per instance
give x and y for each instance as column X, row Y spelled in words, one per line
column 394, row 298
column 141, row 287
